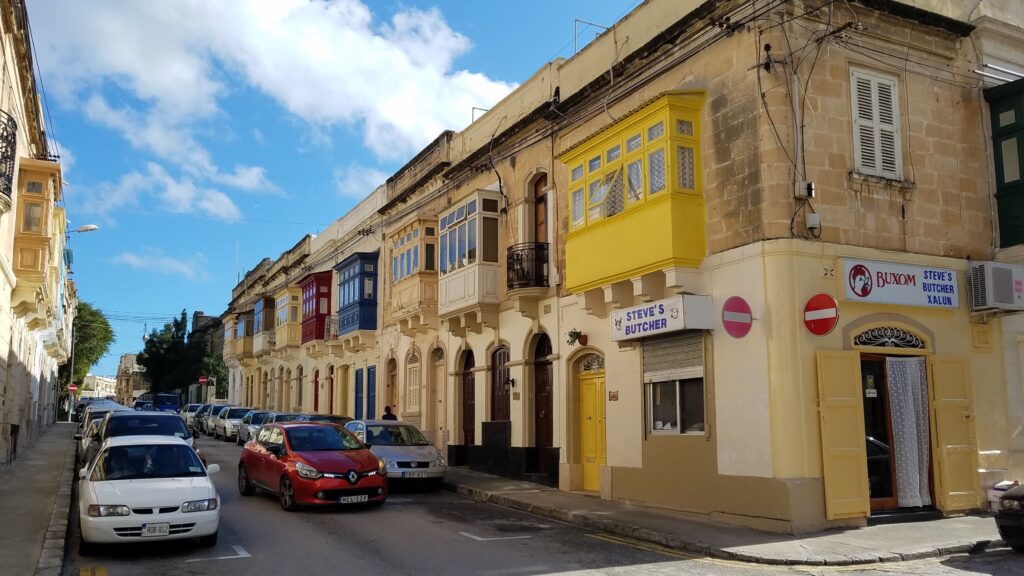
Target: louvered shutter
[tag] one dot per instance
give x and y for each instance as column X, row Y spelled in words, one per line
column 876, row 135
column 674, row 356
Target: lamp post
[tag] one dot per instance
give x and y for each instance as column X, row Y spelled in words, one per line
column 71, row 378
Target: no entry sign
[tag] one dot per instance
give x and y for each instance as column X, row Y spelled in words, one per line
column 203, row 380
column 72, row 388
column 821, row 314
column 736, row 317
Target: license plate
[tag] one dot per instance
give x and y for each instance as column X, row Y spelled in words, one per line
column 417, row 474
column 156, row 529
column 353, row 499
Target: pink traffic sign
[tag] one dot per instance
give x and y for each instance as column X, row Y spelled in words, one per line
column 821, row 314
column 736, row 317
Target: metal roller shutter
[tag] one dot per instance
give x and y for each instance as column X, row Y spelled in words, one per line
column 674, row 357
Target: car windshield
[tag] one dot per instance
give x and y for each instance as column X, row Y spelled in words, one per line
column 286, row 417
column 147, row 424
column 259, row 417
column 321, row 438
column 394, row 435
column 237, row 412
column 192, row 407
column 147, row 461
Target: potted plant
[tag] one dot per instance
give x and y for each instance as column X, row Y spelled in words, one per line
column 575, row 336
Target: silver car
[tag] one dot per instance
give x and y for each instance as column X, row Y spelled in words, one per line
column 227, row 422
column 408, row 454
column 251, row 422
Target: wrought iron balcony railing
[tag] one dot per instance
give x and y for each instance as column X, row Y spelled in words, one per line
column 8, row 151
column 527, row 265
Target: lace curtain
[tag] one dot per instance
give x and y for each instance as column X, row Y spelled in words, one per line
column 908, row 405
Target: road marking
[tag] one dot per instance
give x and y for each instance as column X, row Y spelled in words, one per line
column 482, row 539
column 93, row 571
column 239, row 551
column 401, row 500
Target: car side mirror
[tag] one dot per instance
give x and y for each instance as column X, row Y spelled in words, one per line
column 276, row 449
column 213, row 468
column 83, row 473
column 78, row 436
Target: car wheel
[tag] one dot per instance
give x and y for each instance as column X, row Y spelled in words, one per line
column 85, row 548
column 208, row 541
column 286, row 494
column 245, row 487
column 238, row 440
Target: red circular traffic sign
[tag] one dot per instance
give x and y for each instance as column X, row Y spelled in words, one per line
column 72, row 387
column 821, row 314
column 202, row 380
column 736, row 317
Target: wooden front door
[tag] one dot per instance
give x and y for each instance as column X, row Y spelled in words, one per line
column 468, row 402
column 878, row 434
column 592, row 432
column 540, row 209
column 439, row 420
column 542, row 408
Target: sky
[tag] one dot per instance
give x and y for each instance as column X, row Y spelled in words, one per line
column 204, row 136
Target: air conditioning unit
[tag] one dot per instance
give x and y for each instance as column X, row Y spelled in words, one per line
column 996, row 286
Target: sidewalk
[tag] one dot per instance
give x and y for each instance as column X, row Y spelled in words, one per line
column 35, row 495
column 885, row 543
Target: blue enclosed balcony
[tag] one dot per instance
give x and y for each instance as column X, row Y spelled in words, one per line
column 355, row 325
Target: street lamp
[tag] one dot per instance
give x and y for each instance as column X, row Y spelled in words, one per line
column 71, row 396
column 85, row 228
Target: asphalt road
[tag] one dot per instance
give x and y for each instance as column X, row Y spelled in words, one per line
column 431, row 533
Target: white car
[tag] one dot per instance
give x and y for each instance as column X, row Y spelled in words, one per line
column 146, row 488
column 228, row 422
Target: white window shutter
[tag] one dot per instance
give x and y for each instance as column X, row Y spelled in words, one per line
column 876, row 141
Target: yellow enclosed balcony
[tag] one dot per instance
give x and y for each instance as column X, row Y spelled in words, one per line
column 287, row 324
column 410, row 302
column 39, row 188
column 636, row 196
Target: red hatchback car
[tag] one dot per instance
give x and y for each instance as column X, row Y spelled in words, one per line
column 311, row 463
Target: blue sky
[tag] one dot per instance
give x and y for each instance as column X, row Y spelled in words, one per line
column 203, row 136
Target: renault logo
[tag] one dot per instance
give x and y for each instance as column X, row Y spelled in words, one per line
column 352, row 477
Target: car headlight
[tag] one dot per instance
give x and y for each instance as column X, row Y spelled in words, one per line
column 199, row 505
column 438, row 463
column 382, row 466
column 307, row 471
column 98, row 511
column 1009, row 504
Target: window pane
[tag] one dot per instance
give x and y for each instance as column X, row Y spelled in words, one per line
column 693, row 405
column 295, row 313
column 490, row 240
column 428, row 257
column 633, row 144
column 613, row 154
column 686, row 168
column 416, row 259
column 429, row 231
column 1006, row 118
column 596, row 197
column 594, row 164
column 614, row 193
column 460, row 213
column 471, row 208
column 452, row 253
column 33, row 215
column 444, row 253
column 1011, row 160
column 684, row 127
column 34, row 187
column 655, row 132
column 656, row 170
column 394, row 269
column 577, row 173
column 368, row 288
column 401, row 265
column 416, row 233
column 471, row 241
column 635, row 187
column 577, row 207
column 664, row 406
column 462, row 244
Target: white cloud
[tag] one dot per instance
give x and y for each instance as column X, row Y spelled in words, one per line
column 328, row 63
column 181, row 196
column 358, row 181
column 155, row 261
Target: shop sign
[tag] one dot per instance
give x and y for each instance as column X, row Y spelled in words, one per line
column 888, row 283
column 683, row 312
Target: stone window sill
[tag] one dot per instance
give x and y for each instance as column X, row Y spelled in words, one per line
column 863, row 183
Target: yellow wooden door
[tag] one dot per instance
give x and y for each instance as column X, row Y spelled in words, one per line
column 843, row 450
column 592, row 433
column 955, row 452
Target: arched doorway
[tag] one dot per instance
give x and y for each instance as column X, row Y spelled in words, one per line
column 468, row 411
column 413, row 384
column 435, row 418
column 590, row 386
column 501, row 407
column 543, row 402
column 330, row 389
column 392, row 391
column 540, row 209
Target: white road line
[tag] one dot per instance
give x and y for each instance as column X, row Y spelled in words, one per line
column 241, row 553
column 482, row 539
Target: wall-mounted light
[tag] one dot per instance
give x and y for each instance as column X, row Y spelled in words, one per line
column 510, row 382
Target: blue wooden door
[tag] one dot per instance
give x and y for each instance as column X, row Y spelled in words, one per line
column 371, row 392
column 359, row 394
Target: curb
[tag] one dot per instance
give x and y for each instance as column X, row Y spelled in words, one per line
column 670, row 541
column 51, row 559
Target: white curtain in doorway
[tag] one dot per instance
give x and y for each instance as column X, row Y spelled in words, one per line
column 908, row 405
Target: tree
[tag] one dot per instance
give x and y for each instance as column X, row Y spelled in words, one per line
column 92, row 338
column 172, row 363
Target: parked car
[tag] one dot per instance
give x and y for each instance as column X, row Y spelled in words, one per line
column 98, row 410
column 228, row 421
column 131, row 423
column 308, row 463
column 83, row 440
column 146, row 488
column 251, row 422
column 143, row 406
column 1010, row 518
column 206, row 425
column 281, row 417
column 332, row 418
column 405, row 451
column 197, row 418
column 188, row 413
column 80, row 406
column 213, row 421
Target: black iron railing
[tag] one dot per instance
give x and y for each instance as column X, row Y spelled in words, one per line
column 8, row 151
column 528, row 265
